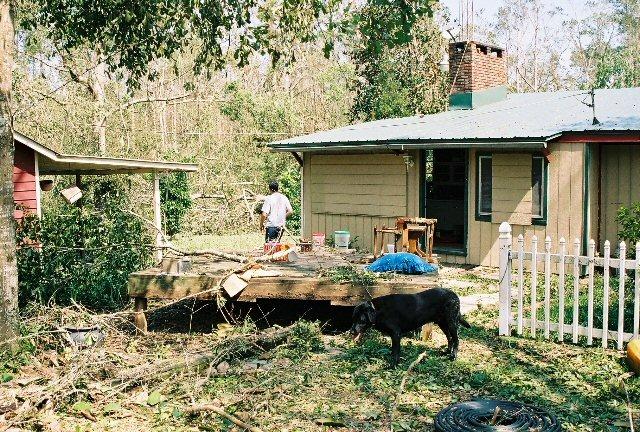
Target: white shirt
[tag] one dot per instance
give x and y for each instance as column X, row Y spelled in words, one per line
column 276, row 207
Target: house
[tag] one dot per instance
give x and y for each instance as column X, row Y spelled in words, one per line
column 32, row 160
column 556, row 164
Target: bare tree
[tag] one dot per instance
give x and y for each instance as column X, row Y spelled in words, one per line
column 525, row 28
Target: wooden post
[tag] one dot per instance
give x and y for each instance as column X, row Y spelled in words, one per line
column 534, row 285
column 520, row 283
column 561, row 281
column 505, row 278
column 591, row 267
column 375, row 242
column 636, row 302
column 576, row 289
column 605, row 295
column 623, row 277
column 140, row 305
column 157, row 216
column 547, row 287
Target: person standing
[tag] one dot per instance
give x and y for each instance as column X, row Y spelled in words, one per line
column 275, row 210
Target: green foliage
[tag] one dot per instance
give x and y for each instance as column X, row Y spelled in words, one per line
column 84, row 252
column 351, row 274
column 402, row 79
column 583, row 302
column 129, row 38
column 628, row 219
column 305, row 339
column 290, row 186
column 610, row 55
column 175, row 200
column 619, row 68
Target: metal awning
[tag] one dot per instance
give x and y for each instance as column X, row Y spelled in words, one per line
column 51, row 162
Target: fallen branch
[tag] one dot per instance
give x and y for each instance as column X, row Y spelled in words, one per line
column 237, row 345
column 403, row 384
column 218, row 410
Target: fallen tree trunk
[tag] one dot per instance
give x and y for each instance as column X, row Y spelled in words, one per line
column 231, row 257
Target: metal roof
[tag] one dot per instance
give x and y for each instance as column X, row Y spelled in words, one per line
column 522, row 120
column 51, row 162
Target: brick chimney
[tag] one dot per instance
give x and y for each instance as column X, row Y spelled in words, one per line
column 477, row 73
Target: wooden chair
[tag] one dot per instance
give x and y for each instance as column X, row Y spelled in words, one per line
column 378, row 239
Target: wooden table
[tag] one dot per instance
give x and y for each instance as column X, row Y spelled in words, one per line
column 409, row 230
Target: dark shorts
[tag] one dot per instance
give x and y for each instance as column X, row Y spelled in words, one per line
column 272, row 234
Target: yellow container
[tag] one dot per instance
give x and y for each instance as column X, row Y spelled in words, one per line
column 633, row 355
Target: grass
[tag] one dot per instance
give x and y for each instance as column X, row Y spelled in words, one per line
column 598, row 300
column 319, row 380
column 356, row 388
column 240, row 243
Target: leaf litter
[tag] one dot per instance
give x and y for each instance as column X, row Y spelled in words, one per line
column 294, row 379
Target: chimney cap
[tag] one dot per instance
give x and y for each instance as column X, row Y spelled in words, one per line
column 483, row 46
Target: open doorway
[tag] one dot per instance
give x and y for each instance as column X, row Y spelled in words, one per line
column 445, row 197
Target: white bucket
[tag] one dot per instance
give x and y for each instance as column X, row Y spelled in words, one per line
column 391, row 248
column 341, row 239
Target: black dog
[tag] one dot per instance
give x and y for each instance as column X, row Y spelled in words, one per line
column 397, row 314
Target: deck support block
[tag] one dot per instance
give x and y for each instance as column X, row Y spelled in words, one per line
column 139, row 318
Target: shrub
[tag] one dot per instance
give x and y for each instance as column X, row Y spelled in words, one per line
column 628, row 219
column 84, row 252
column 175, row 200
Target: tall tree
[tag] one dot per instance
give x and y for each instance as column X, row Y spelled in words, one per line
column 400, row 79
column 9, row 275
column 606, row 45
column 129, row 35
column 525, row 28
column 622, row 67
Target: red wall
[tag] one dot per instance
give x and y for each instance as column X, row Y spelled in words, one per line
column 24, row 179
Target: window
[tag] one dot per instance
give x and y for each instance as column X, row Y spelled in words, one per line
column 539, row 190
column 484, row 185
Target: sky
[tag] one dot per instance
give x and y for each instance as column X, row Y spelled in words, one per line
column 487, row 9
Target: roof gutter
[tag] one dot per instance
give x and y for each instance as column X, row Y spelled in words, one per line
column 410, row 145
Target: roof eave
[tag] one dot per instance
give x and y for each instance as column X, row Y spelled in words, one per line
column 96, row 164
column 520, row 143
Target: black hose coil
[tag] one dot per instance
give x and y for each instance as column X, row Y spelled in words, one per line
column 480, row 415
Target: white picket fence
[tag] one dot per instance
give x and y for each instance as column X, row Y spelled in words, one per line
column 512, row 296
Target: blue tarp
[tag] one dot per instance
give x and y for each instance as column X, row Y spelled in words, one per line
column 402, row 262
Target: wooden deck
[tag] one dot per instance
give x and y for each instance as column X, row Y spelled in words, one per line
column 299, row 280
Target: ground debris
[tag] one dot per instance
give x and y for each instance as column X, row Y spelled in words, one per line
column 90, row 382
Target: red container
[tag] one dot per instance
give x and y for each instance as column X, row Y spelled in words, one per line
column 273, row 247
column 318, row 239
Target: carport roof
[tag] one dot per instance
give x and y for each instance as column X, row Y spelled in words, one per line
column 51, row 162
